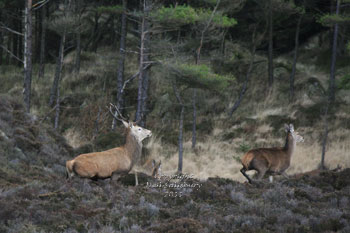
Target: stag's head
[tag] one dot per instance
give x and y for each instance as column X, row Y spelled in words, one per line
column 296, row 137
column 137, row 131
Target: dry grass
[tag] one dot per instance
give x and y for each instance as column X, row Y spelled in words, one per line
column 219, row 158
column 74, row 138
column 211, row 159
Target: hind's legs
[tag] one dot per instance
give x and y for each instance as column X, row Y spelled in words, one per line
column 243, row 170
column 285, row 175
column 261, row 173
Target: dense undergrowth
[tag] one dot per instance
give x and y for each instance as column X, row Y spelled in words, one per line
column 35, row 196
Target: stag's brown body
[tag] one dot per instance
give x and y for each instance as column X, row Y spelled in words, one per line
column 271, row 160
column 104, row 164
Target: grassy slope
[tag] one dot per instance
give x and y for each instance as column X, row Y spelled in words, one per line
column 35, row 196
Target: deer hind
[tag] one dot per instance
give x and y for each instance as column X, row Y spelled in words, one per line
column 153, row 168
column 118, row 160
column 271, row 160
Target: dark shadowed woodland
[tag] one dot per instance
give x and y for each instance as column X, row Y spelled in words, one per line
column 212, row 80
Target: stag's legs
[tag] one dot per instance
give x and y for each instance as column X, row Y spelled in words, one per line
column 114, row 177
column 136, row 179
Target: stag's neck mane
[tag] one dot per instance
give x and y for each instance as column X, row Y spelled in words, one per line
column 133, row 146
column 289, row 145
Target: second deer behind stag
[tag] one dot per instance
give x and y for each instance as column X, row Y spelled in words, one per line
column 271, row 160
column 152, row 168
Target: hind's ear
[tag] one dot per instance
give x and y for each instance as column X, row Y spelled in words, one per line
column 291, row 127
column 286, row 128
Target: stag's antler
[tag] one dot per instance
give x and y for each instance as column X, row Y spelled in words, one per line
column 117, row 111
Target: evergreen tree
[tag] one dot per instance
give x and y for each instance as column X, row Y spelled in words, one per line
column 27, row 54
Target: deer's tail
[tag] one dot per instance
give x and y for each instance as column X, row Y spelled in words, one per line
column 69, row 168
column 246, row 160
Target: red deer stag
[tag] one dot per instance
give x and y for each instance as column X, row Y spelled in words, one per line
column 116, row 161
column 271, row 160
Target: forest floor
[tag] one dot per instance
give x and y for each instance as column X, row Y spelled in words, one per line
column 36, row 197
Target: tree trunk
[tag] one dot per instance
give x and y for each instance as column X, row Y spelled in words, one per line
column 57, row 116
column 15, row 40
column 334, row 57
column 331, row 29
column 120, row 72
column 28, row 55
column 250, row 68
column 146, row 72
column 331, row 89
column 1, row 41
column 325, row 137
column 270, row 49
column 20, row 40
column 145, row 87
column 292, row 75
column 38, row 31
column 78, row 38
column 59, row 64
column 94, row 33
column 144, row 61
column 8, row 55
column 42, row 42
column 58, row 72
column 78, row 53
column 97, row 126
column 194, row 123
column 114, row 35
column 180, row 138
column 138, row 114
column 197, row 59
column 223, row 43
column 99, row 30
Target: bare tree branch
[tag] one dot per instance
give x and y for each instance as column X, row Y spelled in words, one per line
column 3, row 26
column 251, row 64
column 17, row 58
column 133, row 77
column 40, row 4
column 205, row 29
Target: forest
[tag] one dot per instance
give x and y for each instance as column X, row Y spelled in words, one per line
column 207, row 82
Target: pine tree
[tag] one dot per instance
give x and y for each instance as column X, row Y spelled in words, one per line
column 27, row 55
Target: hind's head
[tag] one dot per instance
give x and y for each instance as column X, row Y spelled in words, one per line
column 290, row 130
